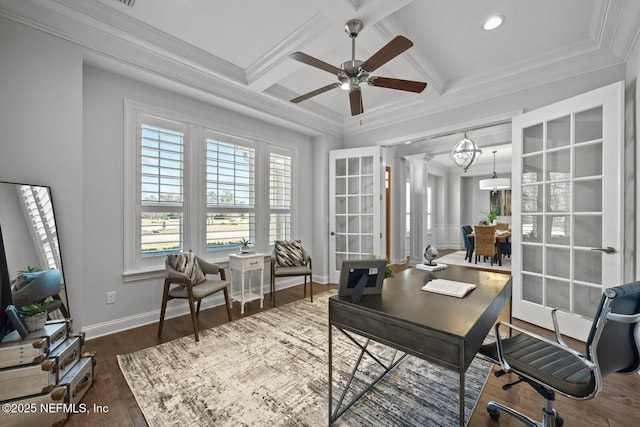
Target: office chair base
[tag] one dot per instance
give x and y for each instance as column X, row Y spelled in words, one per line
column 549, row 418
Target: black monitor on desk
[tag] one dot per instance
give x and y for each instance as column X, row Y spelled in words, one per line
column 361, row 277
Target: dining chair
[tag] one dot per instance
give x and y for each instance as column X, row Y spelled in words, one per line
column 468, row 241
column 505, row 245
column 485, row 241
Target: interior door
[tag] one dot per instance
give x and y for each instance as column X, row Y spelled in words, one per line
column 567, row 194
column 355, row 206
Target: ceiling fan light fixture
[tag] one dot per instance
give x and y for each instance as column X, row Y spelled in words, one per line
column 493, row 22
column 465, row 153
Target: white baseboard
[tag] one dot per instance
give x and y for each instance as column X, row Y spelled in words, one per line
column 174, row 309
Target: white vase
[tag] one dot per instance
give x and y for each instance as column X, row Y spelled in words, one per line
column 33, row 323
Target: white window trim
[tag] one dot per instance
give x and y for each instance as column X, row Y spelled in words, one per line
column 134, row 269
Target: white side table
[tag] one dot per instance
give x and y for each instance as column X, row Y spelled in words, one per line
column 246, row 263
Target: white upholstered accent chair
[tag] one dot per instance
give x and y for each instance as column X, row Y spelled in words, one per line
column 188, row 275
column 289, row 258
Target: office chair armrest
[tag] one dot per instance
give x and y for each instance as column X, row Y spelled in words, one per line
column 507, row 368
column 624, row 318
column 556, row 327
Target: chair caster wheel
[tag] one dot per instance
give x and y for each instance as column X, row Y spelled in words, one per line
column 494, row 414
column 559, row 421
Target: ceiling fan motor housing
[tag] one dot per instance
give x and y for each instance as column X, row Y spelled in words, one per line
column 353, row 27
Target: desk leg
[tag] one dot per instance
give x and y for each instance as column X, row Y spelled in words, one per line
column 461, row 397
column 330, row 375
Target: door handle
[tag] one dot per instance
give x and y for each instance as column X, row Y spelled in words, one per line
column 607, row 250
column 332, row 233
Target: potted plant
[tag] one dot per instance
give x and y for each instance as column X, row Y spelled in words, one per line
column 388, row 271
column 244, row 243
column 34, row 315
column 492, row 216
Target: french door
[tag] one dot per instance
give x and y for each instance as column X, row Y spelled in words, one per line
column 355, row 206
column 567, row 218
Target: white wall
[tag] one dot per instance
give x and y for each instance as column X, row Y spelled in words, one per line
column 104, row 93
column 41, row 138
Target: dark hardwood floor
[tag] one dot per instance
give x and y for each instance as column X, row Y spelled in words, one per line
column 617, row 405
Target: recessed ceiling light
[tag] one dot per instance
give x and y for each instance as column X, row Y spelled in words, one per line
column 493, row 22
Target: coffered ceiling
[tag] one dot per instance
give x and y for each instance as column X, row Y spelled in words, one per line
column 235, row 53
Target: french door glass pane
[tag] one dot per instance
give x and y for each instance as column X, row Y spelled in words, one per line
column 584, row 226
column 341, row 167
column 532, row 139
column 559, row 132
column 531, row 226
column 354, row 224
column 558, row 165
column 589, row 125
column 341, row 186
column 586, row 299
column 588, row 160
column 532, row 258
column 532, row 288
column 588, row 196
column 354, row 166
column 556, row 262
column 587, row 266
column 558, row 229
column 559, row 197
column 558, row 293
column 532, row 169
column 341, row 205
column 532, row 198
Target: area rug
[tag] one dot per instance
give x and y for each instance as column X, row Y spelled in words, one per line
column 457, row 258
column 271, row 369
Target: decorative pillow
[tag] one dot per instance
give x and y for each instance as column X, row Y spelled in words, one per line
column 188, row 264
column 289, row 253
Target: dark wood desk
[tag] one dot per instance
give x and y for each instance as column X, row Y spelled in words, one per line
column 445, row 330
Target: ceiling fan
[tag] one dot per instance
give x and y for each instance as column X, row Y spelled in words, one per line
column 354, row 72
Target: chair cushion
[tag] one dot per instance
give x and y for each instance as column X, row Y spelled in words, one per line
column 200, row 290
column 291, row 271
column 546, row 363
column 188, row 264
column 289, row 253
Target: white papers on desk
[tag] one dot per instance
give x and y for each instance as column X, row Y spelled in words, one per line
column 449, row 287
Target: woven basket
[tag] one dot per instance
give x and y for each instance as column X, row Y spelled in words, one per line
column 35, row 322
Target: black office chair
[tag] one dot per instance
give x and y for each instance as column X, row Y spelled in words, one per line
column 550, row 367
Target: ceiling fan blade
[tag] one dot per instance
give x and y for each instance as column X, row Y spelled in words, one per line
column 355, row 99
column 398, row 84
column 310, row 60
column 315, row 92
column 392, row 49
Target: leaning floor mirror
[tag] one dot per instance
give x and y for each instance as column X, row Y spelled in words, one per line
column 32, row 248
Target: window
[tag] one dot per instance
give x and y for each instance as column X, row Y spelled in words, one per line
column 189, row 186
column 407, row 221
column 279, row 197
column 230, row 194
column 161, row 188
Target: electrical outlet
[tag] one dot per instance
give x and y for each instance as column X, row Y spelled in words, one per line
column 111, row 297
